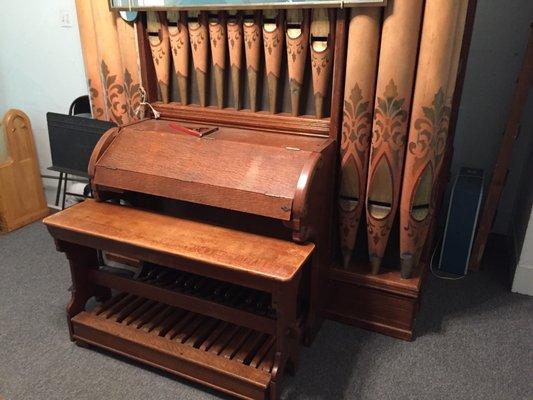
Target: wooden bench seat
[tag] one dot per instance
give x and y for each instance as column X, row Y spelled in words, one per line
column 229, row 253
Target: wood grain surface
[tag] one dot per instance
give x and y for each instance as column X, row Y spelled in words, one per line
column 21, row 190
column 223, row 247
column 239, row 176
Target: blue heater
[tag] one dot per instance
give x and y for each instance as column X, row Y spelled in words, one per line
column 461, row 222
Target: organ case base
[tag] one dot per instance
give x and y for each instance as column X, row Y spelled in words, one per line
column 384, row 303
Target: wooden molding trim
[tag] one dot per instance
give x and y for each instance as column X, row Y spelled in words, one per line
column 280, row 123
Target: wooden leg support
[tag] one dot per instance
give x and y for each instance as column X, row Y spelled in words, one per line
column 284, row 301
column 316, row 306
column 81, row 259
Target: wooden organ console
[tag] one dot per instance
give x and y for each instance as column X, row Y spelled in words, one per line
column 229, row 196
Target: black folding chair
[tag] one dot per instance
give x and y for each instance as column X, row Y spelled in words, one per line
column 80, row 106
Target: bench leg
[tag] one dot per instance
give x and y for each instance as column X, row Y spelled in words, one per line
column 284, row 301
column 81, row 259
column 273, row 391
column 314, row 317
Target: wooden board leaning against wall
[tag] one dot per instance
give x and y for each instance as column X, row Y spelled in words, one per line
column 499, row 175
column 21, row 196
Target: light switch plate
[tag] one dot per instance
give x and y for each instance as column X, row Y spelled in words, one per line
column 65, row 18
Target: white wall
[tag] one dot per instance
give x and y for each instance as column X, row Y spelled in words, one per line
column 522, row 226
column 523, row 278
column 41, row 66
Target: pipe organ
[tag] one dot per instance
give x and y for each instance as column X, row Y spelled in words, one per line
column 289, row 169
column 279, row 62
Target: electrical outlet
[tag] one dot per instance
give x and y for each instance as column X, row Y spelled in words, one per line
column 65, row 19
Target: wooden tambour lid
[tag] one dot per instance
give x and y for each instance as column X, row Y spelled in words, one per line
column 231, row 169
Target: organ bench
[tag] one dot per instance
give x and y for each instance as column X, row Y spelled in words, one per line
column 164, row 323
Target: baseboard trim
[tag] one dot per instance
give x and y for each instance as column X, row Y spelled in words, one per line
column 523, row 280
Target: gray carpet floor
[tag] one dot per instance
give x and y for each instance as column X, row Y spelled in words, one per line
column 474, row 341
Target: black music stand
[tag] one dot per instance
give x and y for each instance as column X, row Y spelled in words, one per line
column 72, row 140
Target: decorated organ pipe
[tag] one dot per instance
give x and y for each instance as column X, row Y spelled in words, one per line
column 361, row 60
column 199, row 38
column 273, row 46
column 160, row 46
column 110, row 63
column 217, row 39
column 428, row 130
column 90, row 59
column 457, row 48
column 235, row 45
column 321, row 56
column 297, row 40
column 180, row 48
column 397, row 61
column 252, row 50
column 130, row 56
